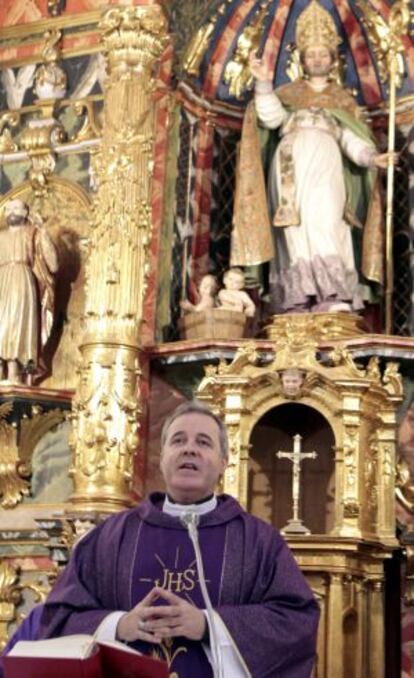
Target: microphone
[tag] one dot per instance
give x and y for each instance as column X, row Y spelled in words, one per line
column 190, row 520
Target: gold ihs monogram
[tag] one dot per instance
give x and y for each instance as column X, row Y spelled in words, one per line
column 177, row 582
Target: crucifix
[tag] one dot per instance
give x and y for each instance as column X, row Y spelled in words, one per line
column 295, row 524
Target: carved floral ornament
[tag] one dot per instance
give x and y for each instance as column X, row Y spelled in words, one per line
column 18, row 442
column 48, row 136
column 43, row 130
column 14, row 584
column 134, row 36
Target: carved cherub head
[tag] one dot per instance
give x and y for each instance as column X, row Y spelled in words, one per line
column 292, row 381
column 16, row 212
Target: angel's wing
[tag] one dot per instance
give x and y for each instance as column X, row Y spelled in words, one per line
column 17, row 86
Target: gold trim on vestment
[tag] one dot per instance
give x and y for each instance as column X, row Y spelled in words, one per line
column 300, row 94
column 251, row 240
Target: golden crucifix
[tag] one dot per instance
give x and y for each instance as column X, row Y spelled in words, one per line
column 295, row 524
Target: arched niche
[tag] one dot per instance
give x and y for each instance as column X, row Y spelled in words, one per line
column 270, row 478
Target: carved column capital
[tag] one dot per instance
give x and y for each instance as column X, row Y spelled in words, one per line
column 133, row 37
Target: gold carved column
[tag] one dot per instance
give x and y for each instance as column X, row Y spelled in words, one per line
column 107, row 404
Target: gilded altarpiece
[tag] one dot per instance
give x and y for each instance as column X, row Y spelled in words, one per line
column 133, row 178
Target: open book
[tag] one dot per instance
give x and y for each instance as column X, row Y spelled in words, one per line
column 79, row 657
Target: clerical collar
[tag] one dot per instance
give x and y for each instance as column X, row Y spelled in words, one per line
column 199, row 509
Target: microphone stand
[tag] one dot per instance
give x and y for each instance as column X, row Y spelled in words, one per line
column 190, row 520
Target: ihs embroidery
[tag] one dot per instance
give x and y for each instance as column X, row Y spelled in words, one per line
column 177, row 580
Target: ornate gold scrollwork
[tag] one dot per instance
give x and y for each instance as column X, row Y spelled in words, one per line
column 10, row 596
column 90, row 129
column 109, row 406
column 350, row 502
column 133, row 37
column 342, row 358
column 321, row 326
column 38, row 139
column 237, row 73
column 373, row 371
column 246, row 355
column 17, row 444
column 392, row 379
column 199, row 42
column 386, row 36
column 197, row 48
column 370, row 477
column 14, row 584
column 8, row 120
column 45, row 131
column 13, row 483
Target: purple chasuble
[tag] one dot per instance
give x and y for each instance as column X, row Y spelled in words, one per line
column 170, row 563
column 254, row 581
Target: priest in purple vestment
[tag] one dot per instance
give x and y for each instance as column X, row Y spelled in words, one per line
column 244, row 610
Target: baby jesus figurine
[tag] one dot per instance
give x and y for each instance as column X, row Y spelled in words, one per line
column 207, row 296
column 233, row 297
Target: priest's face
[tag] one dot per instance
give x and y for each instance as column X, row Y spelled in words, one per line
column 191, row 459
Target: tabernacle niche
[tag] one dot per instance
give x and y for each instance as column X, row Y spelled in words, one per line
column 270, row 478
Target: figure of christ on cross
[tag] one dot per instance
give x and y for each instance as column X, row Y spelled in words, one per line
column 295, row 524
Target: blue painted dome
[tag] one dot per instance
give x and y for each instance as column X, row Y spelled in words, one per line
column 272, row 24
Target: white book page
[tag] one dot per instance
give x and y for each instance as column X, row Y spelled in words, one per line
column 66, row 647
column 119, row 646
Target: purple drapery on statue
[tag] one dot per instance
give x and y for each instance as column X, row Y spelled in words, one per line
column 257, row 588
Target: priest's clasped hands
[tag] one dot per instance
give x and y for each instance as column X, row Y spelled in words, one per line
column 153, row 623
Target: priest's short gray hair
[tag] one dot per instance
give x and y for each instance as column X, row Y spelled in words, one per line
column 198, row 408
